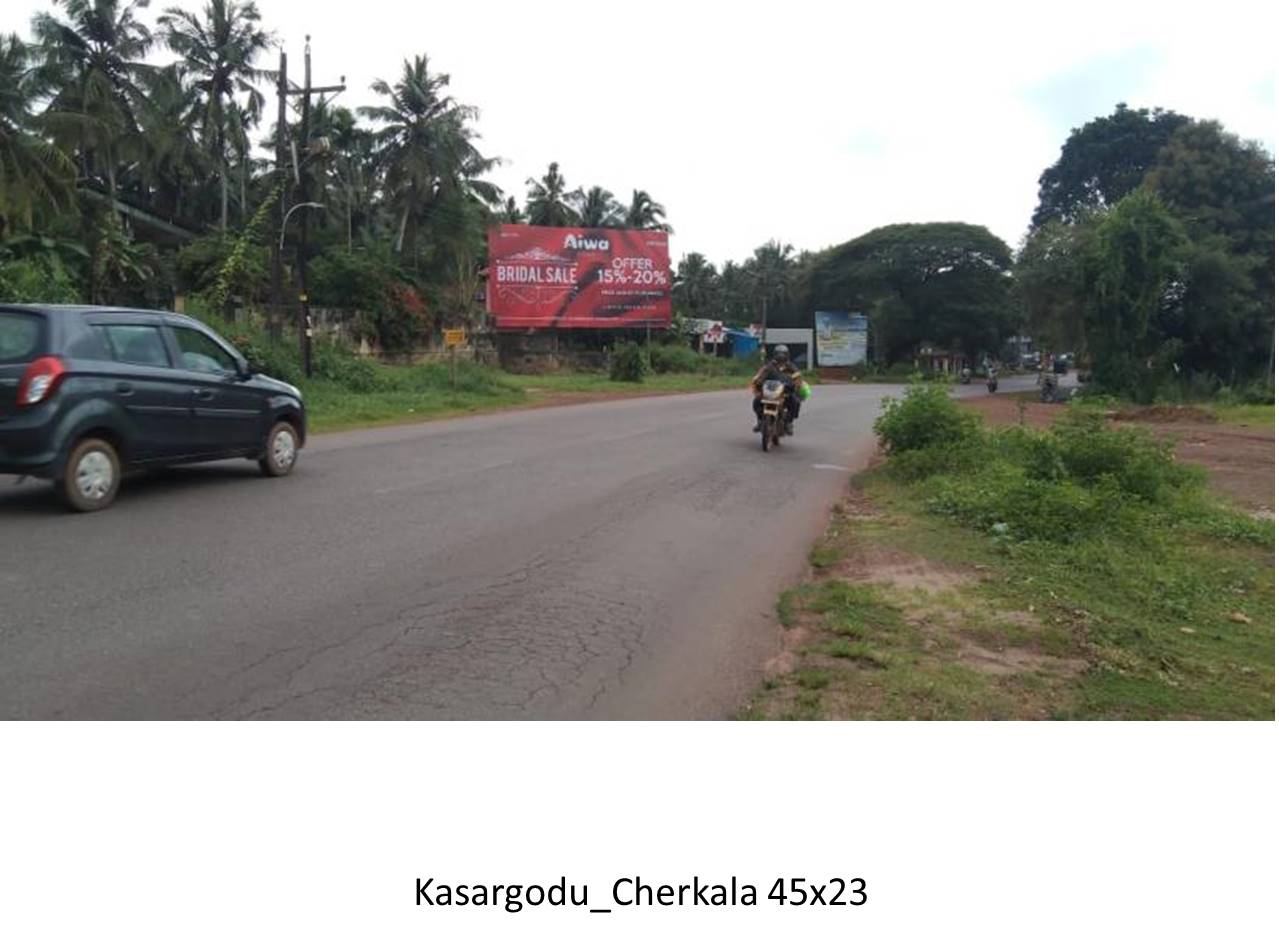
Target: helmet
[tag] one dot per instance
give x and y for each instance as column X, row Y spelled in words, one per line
column 781, row 353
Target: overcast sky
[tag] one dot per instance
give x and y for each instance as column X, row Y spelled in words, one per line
column 806, row 122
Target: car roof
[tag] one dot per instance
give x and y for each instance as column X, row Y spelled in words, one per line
column 69, row 309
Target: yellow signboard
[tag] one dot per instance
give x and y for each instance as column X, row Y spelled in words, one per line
column 454, row 338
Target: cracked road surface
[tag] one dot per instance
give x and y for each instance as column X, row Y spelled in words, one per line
column 618, row 559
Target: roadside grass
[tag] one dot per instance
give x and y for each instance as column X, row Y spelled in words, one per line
column 374, row 394
column 1146, row 607
column 395, row 394
column 1250, row 416
column 599, row 382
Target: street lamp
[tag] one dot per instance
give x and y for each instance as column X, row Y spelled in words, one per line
column 292, row 210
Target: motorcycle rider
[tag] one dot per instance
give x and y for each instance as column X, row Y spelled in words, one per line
column 777, row 367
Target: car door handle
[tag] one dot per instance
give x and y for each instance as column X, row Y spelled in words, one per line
column 124, row 388
column 203, row 395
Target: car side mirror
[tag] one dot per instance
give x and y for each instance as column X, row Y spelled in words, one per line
column 247, row 369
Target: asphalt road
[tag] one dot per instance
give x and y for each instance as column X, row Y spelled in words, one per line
column 618, row 559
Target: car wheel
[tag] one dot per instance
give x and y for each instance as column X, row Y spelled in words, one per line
column 281, row 450
column 92, row 476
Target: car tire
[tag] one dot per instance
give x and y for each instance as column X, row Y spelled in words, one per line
column 91, row 477
column 281, row 452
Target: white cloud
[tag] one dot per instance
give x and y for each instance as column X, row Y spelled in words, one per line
column 802, row 121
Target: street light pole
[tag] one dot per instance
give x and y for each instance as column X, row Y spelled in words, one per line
column 305, row 91
column 291, row 211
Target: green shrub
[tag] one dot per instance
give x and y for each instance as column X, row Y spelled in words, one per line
column 922, row 418
column 1136, row 462
column 338, row 364
column 37, row 280
column 922, row 463
column 629, row 363
column 668, row 359
column 1029, row 508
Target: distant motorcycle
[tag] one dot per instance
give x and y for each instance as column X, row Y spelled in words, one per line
column 1048, row 388
column 775, row 422
column 992, row 383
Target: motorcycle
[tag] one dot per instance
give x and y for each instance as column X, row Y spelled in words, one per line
column 965, row 376
column 774, row 422
column 1048, row 388
column 992, row 383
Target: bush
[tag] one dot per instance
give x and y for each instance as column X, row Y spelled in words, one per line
column 668, row 359
column 922, row 418
column 338, row 364
column 37, row 280
column 1050, row 511
column 1139, row 464
column 629, row 363
column 354, row 280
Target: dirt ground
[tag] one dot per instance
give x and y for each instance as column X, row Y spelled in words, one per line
column 1240, row 460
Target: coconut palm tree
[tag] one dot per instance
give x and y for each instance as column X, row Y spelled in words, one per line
column 90, row 67
column 599, row 210
column 771, row 270
column 219, row 47
column 33, row 172
column 172, row 163
column 549, row 200
column 511, row 212
column 644, row 213
column 696, row 285
column 426, row 149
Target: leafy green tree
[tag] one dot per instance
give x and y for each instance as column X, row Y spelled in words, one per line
column 1103, row 161
column 734, row 292
column 645, row 213
column 90, row 68
column 218, row 48
column 1050, row 279
column 34, row 174
column 1129, row 265
column 1222, row 189
column 550, row 202
column 122, row 267
column 597, row 209
column 944, row 282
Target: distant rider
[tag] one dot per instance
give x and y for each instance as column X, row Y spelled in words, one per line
column 779, row 367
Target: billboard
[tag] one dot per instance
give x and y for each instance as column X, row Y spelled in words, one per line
column 841, row 338
column 540, row 276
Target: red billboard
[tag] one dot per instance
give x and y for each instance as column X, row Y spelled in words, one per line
column 540, row 276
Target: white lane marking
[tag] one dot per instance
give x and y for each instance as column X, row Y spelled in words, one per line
column 838, row 467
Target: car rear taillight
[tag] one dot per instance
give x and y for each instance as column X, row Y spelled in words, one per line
column 40, row 380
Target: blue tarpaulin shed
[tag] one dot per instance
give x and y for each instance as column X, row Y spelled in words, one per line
column 744, row 344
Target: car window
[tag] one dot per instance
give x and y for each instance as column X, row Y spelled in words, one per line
column 138, row 344
column 21, row 337
column 201, row 354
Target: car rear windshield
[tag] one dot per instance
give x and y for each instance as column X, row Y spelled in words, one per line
column 21, row 336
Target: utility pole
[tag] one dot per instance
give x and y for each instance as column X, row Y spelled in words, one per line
column 304, row 304
column 281, row 163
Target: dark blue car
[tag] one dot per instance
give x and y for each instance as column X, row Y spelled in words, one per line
column 86, row 392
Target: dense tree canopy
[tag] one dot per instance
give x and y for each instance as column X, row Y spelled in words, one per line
column 1104, row 161
column 947, row 282
column 1196, row 230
